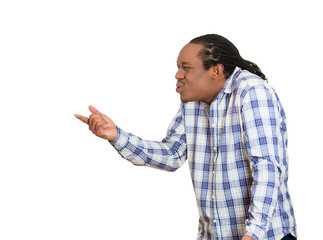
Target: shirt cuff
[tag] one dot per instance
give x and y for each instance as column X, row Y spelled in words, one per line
column 121, row 140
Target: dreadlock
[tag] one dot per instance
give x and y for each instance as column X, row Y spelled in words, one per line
column 218, row 49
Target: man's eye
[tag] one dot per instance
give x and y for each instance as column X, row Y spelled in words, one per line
column 186, row 67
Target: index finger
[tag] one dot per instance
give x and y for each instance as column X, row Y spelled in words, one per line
column 82, row 118
column 94, row 110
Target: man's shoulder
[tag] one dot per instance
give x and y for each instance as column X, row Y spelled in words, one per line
column 247, row 80
column 251, row 85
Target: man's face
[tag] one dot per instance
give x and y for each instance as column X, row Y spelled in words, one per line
column 194, row 83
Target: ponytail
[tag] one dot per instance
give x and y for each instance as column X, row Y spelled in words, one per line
column 253, row 68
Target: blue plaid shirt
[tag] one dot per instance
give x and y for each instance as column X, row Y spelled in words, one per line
column 237, row 153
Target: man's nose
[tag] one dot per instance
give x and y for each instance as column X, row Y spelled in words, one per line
column 179, row 74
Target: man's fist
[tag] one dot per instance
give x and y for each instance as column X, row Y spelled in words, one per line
column 101, row 125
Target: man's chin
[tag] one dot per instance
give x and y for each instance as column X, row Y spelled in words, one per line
column 184, row 100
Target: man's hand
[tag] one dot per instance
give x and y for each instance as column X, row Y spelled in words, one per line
column 101, row 125
column 247, row 237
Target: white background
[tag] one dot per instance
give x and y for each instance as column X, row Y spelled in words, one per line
column 59, row 181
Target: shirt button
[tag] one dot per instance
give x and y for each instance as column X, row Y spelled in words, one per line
column 213, row 172
column 213, row 196
column 214, row 148
column 214, row 221
column 213, row 125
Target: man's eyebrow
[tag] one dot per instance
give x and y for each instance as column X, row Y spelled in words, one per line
column 183, row 63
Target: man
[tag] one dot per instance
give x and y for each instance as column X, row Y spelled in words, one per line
column 231, row 128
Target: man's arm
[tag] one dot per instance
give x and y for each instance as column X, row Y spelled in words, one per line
column 265, row 146
column 169, row 154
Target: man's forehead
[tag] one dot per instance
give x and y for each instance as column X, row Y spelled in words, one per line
column 189, row 54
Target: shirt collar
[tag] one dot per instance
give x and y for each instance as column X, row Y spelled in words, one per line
column 231, row 82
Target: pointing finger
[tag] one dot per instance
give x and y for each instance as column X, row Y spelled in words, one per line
column 82, row 118
column 94, row 110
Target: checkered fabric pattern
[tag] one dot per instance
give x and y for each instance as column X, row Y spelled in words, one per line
column 237, row 153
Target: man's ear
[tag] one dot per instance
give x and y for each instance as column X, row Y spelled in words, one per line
column 217, row 71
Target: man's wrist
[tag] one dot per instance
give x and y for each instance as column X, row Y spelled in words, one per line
column 117, row 137
column 248, row 237
column 121, row 140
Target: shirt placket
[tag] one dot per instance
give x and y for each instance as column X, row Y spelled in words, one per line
column 214, row 120
column 211, row 175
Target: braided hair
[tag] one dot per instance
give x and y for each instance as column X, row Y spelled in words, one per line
column 218, row 49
